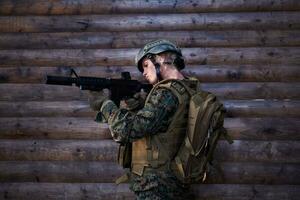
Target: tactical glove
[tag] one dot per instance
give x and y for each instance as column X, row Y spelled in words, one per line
column 96, row 99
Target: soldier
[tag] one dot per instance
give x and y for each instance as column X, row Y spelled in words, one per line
column 151, row 132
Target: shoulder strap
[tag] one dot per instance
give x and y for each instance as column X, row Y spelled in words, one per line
column 171, row 84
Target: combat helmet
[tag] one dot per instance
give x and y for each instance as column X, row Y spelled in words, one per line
column 156, row 47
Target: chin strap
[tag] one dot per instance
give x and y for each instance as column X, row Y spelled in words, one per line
column 157, row 67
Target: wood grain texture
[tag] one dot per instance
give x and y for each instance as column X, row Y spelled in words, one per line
column 263, row 128
column 254, row 90
column 262, row 108
column 205, row 73
column 108, row 191
column 241, row 91
column 234, row 108
column 123, row 57
column 245, row 52
column 63, row 191
column 100, row 40
column 108, row 172
column 258, row 151
column 60, row 171
column 245, row 192
column 53, row 128
column 106, row 150
column 72, row 150
column 81, row 7
column 152, row 22
column 85, row 128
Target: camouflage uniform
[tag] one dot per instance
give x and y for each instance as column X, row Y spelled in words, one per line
column 153, row 118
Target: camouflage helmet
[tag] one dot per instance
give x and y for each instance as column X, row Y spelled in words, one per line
column 156, row 47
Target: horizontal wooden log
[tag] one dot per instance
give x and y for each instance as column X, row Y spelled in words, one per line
column 262, row 108
column 254, row 90
column 106, row 150
column 243, row 73
column 263, row 128
column 86, row 128
column 101, row 40
column 256, row 173
column 108, row 172
column 86, row 150
column 245, row 192
column 123, row 57
column 152, row 22
column 59, row 171
column 64, row 7
column 36, row 92
column 205, row 73
column 46, row 109
column 257, row 151
column 234, row 108
column 63, row 191
column 108, row 191
column 53, row 128
column 42, row 92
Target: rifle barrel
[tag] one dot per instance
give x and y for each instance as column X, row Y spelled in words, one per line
column 60, row 80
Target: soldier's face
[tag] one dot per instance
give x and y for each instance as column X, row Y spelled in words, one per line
column 149, row 71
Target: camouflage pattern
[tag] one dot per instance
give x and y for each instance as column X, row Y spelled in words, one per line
column 157, row 185
column 153, row 118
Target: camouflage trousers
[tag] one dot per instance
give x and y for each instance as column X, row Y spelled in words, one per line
column 158, row 186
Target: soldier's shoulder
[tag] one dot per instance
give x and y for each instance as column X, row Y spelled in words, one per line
column 162, row 95
column 174, row 86
column 163, row 91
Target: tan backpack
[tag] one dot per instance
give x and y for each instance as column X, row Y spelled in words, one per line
column 205, row 126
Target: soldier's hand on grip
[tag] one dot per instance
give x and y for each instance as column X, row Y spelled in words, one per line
column 96, row 99
column 134, row 103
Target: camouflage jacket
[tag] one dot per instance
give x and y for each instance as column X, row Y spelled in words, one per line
column 154, row 117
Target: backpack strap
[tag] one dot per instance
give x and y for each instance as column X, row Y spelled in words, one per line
column 227, row 137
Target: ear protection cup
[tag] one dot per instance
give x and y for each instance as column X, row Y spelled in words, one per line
column 179, row 62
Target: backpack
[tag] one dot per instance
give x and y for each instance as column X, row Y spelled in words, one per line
column 205, row 127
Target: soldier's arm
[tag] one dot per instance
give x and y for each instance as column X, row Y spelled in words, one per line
column 153, row 118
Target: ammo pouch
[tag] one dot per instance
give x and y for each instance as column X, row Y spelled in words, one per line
column 124, row 155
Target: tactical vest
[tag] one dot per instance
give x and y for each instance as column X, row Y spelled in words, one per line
column 157, row 151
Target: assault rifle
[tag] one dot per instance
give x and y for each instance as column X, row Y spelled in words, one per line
column 120, row 88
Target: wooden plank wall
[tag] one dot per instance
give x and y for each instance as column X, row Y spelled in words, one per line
column 246, row 52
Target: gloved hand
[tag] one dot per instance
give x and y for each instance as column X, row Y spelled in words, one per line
column 96, row 99
column 134, row 103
